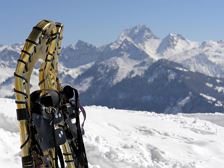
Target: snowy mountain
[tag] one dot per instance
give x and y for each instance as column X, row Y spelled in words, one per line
column 142, row 37
column 118, row 67
column 80, row 54
column 9, row 55
column 138, row 34
column 132, row 139
column 174, row 47
column 164, row 86
column 173, row 44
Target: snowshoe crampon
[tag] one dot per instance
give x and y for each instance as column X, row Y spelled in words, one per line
column 50, row 131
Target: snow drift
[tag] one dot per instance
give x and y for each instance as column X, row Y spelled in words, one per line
column 132, row 139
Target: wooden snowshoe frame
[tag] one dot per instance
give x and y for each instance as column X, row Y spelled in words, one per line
column 44, row 45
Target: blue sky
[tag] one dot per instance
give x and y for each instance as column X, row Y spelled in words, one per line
column 100, row 21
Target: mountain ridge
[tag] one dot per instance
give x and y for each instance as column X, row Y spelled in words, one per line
column 128, row 60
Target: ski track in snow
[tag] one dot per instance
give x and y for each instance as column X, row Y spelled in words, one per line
column 133, row 139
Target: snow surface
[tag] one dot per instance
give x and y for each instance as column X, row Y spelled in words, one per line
column 75, row 72
column 175, row 43
column 209, row 98
column 125, row 65
column 212, row 99
column 133, row 139
column 181, row 69
column 219, row 89
column 209, row 85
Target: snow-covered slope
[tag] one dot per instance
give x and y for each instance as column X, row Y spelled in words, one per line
column 131, row 139
column 207, row 58
column 165, row 87
column 173, row 44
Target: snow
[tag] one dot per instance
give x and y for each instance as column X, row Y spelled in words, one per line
column 124, row 66
column 139, row 69
column 150, row 46
column 182, row 69
column 219, row 104
column 85, row 84
column 133, row 139
column 9, row 139
column 184, row 101
column 210, row 98
column 216, row 118
column 209, row 85
column 219, row 89
column 179, row 105
column 218, row 81
column 14, row 47
column 6, row 91
column 173, row 44
column 141, row 37
column 171, row 75
column 7, row 73
column 75, row 72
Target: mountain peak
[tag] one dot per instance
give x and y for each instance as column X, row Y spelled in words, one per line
column 173, row 41
column 82, row 44
column 175, row 36
column 138, row 34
